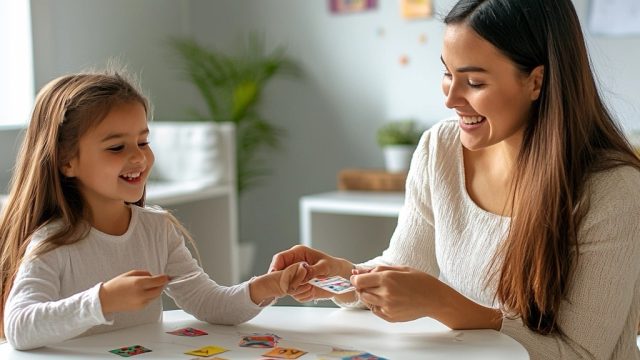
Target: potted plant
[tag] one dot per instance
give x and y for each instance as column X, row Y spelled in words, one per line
column 232, row 87
column 398, row 140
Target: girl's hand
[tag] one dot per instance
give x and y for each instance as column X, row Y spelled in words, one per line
column 265, row 288
column 321, row 265
column 130, row 291
column 397, row 293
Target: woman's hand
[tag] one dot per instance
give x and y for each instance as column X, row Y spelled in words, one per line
column 320, row 265
column 130, row 291
column 401, row 293
column 397, row 293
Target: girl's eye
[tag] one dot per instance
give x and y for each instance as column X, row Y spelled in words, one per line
column 116, row 148
column 143, row 144
column 447, row 74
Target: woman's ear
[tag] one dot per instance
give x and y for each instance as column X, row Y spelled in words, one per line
column 535, row 80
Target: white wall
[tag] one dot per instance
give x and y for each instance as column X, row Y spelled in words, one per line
column 352, row 82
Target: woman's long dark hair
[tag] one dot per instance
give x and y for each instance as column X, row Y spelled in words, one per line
column 569, row 136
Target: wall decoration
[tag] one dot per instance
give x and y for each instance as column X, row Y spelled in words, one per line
column 351, row 6
column 403, row 60
column 416, row 9
column 422, row 39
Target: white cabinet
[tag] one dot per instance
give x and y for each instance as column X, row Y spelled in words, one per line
column 355, row 225
column 209, row 211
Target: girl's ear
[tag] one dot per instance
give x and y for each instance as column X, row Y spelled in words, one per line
column 535, row 80
column 68, row 170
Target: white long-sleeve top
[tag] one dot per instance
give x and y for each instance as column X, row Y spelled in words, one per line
column 55, row 296
column 443, row 232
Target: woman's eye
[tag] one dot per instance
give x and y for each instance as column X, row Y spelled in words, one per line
column 474, row 84
column 116, row 148
column 143, row 144
column 447, row 74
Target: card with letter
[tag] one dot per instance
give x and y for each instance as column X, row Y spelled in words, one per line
column 285, row 353
column 334, row 284
column 207, row 351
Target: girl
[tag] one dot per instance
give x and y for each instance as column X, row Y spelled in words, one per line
column 521, row 214
column 80, row 252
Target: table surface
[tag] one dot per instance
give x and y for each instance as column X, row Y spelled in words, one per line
column 312, row 329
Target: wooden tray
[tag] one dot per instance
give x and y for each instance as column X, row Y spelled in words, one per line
column 371, row 180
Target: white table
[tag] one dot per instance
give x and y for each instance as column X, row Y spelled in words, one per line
column 356, row 225
column 314, row 330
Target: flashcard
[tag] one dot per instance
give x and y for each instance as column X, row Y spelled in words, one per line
column 364, row 356
column 188, row 331
column 129, row 351
column 207, row 351
column 341, row 353
column 259, row 341
column 285, row 353
column 334, row 284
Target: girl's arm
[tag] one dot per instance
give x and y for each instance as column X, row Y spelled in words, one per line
column 35, row 315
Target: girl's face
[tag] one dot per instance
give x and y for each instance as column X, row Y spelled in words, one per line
column 491, row 96
column 114, row 158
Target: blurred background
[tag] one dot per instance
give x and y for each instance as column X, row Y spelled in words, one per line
column 358, row 71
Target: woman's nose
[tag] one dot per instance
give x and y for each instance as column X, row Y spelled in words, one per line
column 452, row 95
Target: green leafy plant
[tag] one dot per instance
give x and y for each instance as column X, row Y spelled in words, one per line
column 402, row 132
column 232, row 87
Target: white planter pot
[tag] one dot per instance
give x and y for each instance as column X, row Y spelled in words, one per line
column 397, row 157
column 186, row 151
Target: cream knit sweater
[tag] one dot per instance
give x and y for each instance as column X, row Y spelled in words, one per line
column 443, row 232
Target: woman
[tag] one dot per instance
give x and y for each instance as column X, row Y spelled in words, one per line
column 521, row 215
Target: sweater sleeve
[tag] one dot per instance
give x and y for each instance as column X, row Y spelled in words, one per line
column 35, row 315
column 197, row 294
column 598, row 315
column 413, row 241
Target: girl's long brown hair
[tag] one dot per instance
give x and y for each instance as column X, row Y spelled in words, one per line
column 570, row 136
column 64, row 110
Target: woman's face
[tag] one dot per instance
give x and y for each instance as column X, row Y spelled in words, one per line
column 491, row 96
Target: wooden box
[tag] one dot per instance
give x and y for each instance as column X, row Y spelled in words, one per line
column 371, row 180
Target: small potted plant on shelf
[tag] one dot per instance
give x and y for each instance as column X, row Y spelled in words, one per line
column 398, row 140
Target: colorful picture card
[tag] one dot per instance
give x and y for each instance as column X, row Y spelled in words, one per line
column 188, row 331
column 285, row 353
column 334, row 284
column 259, row 341
column 129, row 351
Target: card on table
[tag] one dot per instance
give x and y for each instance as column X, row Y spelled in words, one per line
column 129, row 351
column 334, row 284
column 259, row 341
column 207, row 351
column 364, row 356
column 188, row 331
column 285, row 353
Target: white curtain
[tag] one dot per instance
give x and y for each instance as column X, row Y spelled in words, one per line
column 16, row 62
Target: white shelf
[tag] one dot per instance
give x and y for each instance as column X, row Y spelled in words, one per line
column 356, row 225
column 355, row 203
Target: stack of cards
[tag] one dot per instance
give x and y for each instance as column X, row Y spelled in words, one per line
column 334, row 284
